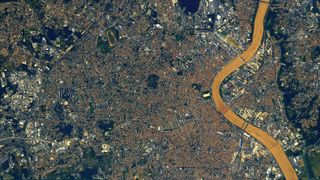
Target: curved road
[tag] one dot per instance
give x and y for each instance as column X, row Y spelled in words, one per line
column 273, row 146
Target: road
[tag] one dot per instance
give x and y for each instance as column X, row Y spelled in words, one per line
column 271, row 144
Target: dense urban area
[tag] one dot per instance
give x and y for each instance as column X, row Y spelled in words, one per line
column 121, row 89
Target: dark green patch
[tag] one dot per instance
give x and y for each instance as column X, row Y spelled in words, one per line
column 103, row 42
column 86, row 169
column 91, row 107
column 3, row 14
column 312, row 165
column 67, row 174
column 153, row 81
column 91, row 160
column 37, row 6
column 179, row 36
column 105, row 125
column 3, row 60
column 6, row 64
column 87, row 173
column 103, row 46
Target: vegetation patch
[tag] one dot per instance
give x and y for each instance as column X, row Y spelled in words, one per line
column 107, row 42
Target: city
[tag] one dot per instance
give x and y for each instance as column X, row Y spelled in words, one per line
column 123, row 89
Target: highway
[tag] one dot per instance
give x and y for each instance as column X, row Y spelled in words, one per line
column 271, row 144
